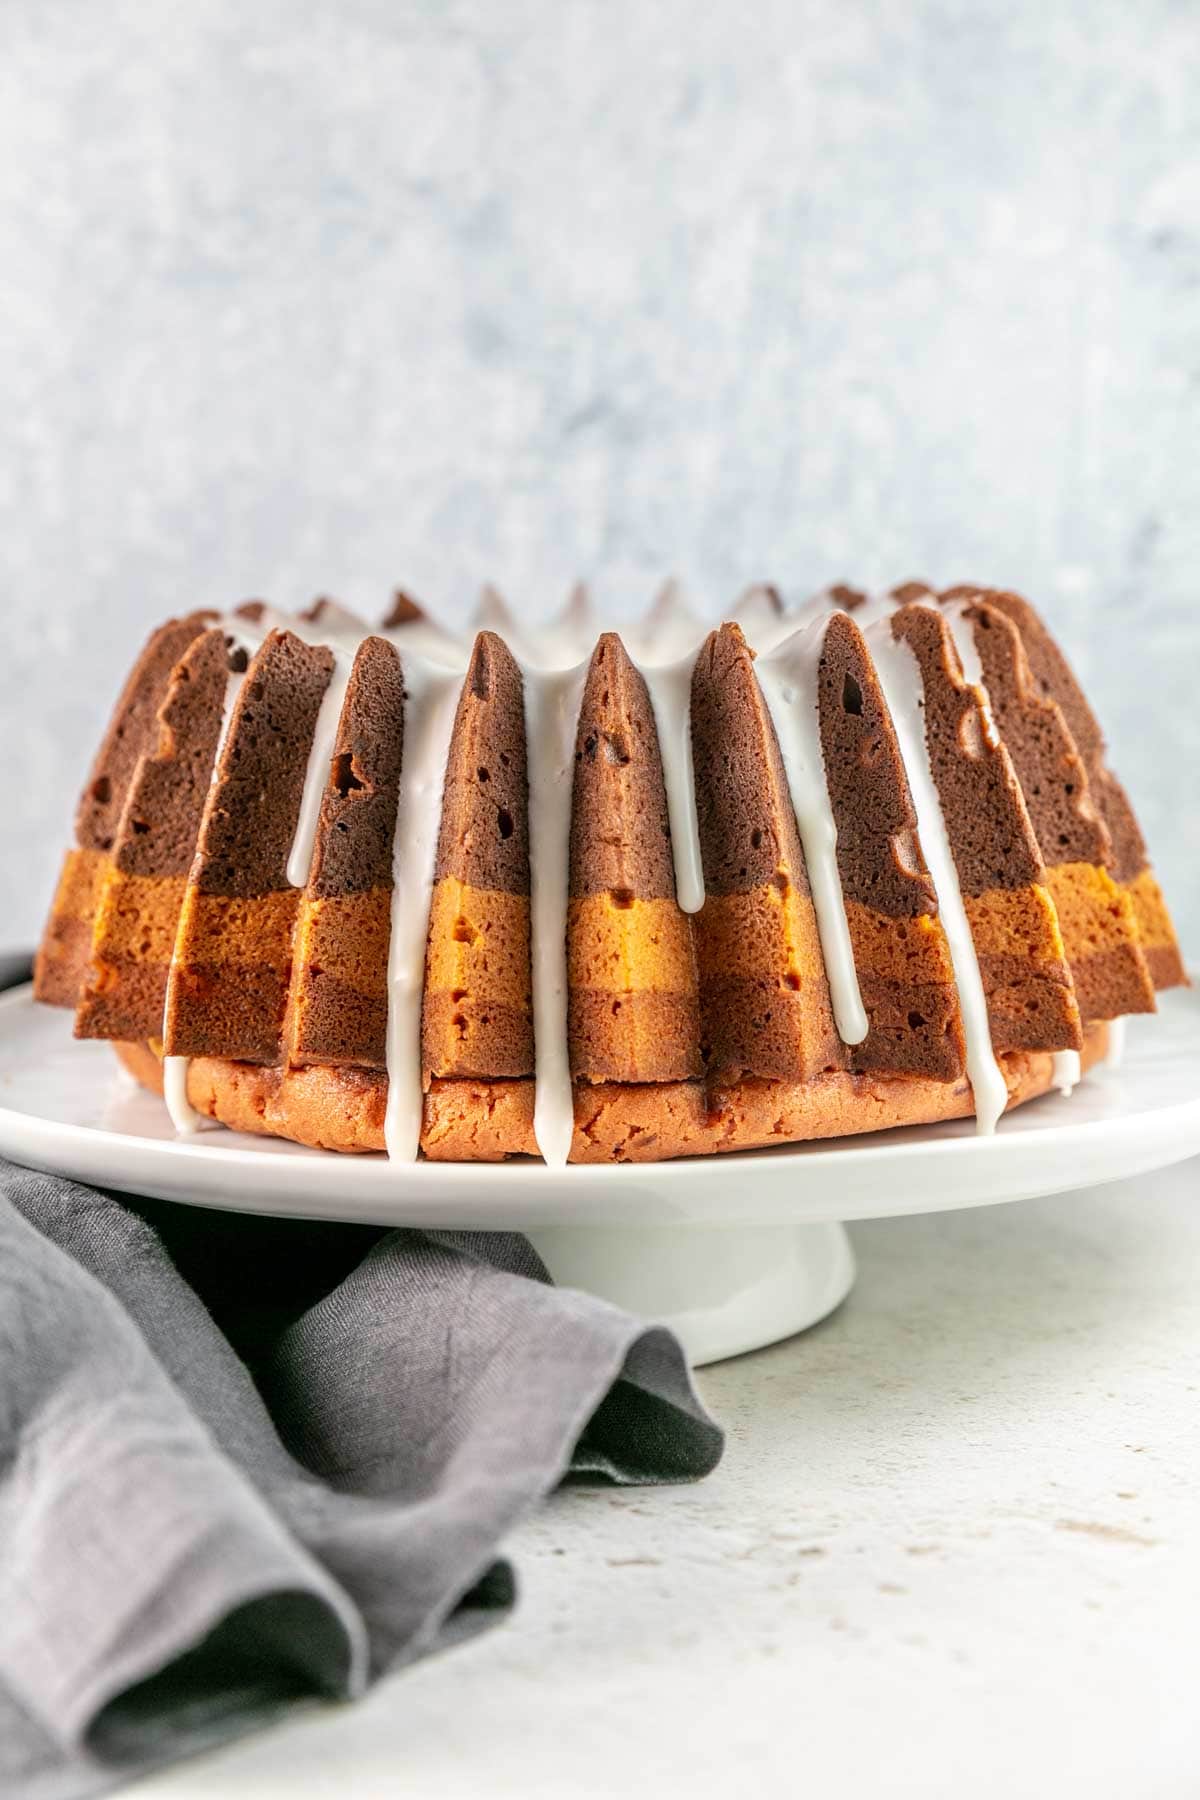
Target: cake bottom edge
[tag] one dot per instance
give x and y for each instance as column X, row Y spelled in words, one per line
column 465, row 1120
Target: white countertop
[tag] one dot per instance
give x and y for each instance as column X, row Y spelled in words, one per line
column 953, row 1549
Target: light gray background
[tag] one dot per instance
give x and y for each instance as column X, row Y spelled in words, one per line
column 299, row 299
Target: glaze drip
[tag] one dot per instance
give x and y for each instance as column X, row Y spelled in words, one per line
column 552, row 703
column 1067, row 1071
column 245, row 638
column 788, row 679
column 316, row 774
column 430, row 701
column 670, row 689
column 899, row 676
column 1116, row 1043
column 962, row 630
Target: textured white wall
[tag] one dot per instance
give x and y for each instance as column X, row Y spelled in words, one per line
column 299, row 298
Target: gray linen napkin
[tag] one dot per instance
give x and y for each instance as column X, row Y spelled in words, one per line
column 247, row 1461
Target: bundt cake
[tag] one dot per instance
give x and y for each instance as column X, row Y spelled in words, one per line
column 601, row 898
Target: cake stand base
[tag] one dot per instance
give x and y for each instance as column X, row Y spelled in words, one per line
column 722, row 1290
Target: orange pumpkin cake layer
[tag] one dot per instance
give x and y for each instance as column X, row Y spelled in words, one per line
column 631, row 974
column 1155, row 930
column 133, row 938
column 1105, row 946
column 477, row 1005
column 65, row 949
column 337, row 1002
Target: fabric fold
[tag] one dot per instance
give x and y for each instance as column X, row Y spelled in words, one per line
column 245, row 1461
column 129, row 1536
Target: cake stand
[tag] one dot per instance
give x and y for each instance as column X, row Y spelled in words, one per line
column 732, row 1252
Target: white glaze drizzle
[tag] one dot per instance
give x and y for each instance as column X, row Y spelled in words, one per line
column 448, row 649
column 666, row 608
column 1115, row 1054
column 871, row 610
column 552, row 703
column 183, row 1115
column 316, row 774
column 962, row 630
column 668, row 630
column 899, row 676
column 788, row 679
column 1067, row 1071
column 565, row 639
column 344, row 633
column 670, row 689
column 493, row 613
column 759, row 612
column 335, row 621
column 430, row 701
column 578, row 618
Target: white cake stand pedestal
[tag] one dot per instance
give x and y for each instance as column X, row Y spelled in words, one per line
column 721, row 1290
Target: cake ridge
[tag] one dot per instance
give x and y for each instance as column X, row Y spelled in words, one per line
column 632, row 1013
column 337, row 998
column 789, row 676
column 553, row 700
column 477, row 1010
column 431, row 695
column 61, row 963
